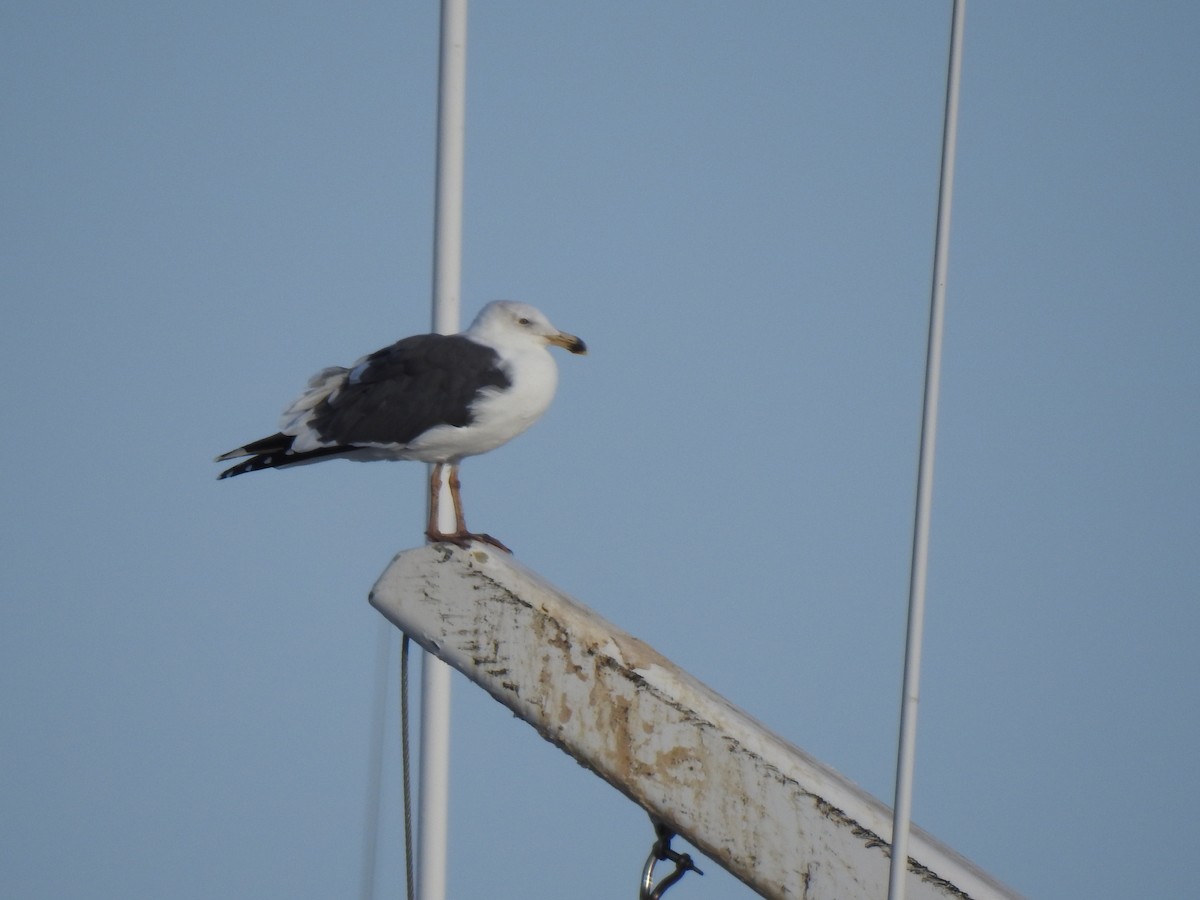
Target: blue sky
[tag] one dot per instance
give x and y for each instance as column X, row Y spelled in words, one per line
column 205, row 203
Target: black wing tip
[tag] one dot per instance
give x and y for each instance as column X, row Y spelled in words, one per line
column 262, row 455
column 251, row 465
column 278, row 459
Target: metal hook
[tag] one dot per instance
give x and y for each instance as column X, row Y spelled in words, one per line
column 661, row 850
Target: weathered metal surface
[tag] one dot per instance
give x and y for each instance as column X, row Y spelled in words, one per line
column 776, row 818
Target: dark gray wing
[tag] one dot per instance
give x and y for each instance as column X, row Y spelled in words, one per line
column 398, row 393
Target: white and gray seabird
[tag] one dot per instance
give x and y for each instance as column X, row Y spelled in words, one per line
column 432, row 397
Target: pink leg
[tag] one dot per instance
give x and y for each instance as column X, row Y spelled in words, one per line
column 460, row 535
column 435, row 492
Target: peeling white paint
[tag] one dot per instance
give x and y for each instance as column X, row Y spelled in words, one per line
column 782, row 822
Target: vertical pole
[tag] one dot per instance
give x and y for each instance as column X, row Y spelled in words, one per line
column 902, row 813
column 447, row 280
column 447, row 221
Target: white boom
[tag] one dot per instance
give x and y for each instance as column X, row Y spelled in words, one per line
column 784, row 823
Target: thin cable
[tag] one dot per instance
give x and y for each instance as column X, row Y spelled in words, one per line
column 920, row 557
column 405, row 772
column 383, row 649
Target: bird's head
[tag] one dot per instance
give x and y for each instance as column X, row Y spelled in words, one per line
column 504, row 320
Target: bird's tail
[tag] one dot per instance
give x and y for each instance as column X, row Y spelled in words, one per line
column 274, row 452
column 253, row 464
column 265, row 454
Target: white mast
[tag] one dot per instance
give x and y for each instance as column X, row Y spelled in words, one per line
column 447, row 283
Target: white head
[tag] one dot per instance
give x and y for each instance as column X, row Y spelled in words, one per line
column 508, row 322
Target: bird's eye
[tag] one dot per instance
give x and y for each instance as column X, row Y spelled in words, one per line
column 523, row 321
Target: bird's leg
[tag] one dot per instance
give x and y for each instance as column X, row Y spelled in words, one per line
column 459, row 535
column 433, row 529
column 460, row 521
column 435, row 493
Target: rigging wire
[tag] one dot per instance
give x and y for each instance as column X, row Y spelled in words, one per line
column 902, row 812
column 371, row 830
column 383, row 649
column 405, row 772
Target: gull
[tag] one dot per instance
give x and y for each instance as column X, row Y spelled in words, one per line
column 431, row 397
